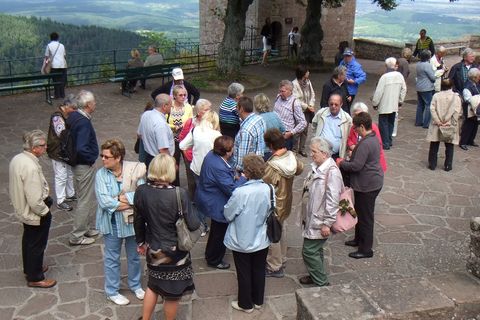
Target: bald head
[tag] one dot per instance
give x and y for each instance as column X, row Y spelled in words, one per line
column 163, row 103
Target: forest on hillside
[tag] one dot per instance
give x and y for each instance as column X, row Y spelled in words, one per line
column 23, row 41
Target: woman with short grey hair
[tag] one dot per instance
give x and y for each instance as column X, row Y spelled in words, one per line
column 229, row 119
column 320, row 201
column 425, row 89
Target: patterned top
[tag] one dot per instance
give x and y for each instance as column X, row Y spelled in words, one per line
column 177, row 117
column 228, row 111
column 249, row 139
column 291, row 114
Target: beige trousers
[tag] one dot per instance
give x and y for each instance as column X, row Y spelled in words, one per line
column 277, row 252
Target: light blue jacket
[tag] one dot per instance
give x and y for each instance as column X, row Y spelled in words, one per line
column 247, row 212
column 107, row 190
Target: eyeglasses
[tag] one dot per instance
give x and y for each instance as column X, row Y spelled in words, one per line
column 42, row 145
column 182, row 95
column 106, row 157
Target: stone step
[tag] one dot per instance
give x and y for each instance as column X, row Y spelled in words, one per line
column 446, row 296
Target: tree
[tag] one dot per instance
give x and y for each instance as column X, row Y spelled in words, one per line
column 312, row 32
column 230, row 54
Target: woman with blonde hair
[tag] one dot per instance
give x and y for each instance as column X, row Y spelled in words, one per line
column 201, row 107
column 134, row 62
column 264, row 109
column 115, row 185
column 180, row 113
column 201, row 139
column 170, row 272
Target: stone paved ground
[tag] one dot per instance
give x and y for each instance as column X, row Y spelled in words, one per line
column 421, row 229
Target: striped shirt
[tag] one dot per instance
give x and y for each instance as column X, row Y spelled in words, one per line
column 228, row 111
column 249, row 139
column 291, row 114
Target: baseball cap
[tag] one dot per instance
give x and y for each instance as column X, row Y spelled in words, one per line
column 348, row 52
column 177, row 74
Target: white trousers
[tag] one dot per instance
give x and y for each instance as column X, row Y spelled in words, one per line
column 63, row 180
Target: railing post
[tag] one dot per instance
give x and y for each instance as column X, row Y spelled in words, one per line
column 115, row 60
column 198, row 57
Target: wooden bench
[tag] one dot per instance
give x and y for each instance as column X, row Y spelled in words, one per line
column 44, row 81
column 459, row 48
column 142, row 73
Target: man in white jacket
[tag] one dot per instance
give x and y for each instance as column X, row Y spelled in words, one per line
column 389, row 95
column 29, row 196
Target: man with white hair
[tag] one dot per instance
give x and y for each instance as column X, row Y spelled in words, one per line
column 439, row 66
column 389, row 95
column 29, row 190
column 86, row 150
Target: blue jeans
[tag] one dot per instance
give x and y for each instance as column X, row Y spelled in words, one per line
column 386, row 122
column 423, row 115
column 111, row 262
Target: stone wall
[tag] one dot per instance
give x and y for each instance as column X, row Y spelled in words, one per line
column 337, row 23
column 377, row 50
column 473, row 263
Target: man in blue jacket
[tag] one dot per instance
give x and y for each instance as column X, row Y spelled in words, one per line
column 86, row 148
column 355, row 74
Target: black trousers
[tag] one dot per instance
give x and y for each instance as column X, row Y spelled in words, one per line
column 59, row 89
column 365, row 207
column 148, row 159
column 228, row 129
column 433, row 153
column 469, row 131
column 215, row 249
column 34, row 243
column 250, row 277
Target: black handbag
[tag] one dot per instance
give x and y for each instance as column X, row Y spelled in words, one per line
column 274, row 227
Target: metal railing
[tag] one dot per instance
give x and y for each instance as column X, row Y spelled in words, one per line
column 98, row 66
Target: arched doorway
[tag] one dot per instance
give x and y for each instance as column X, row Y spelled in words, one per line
column 276, row 35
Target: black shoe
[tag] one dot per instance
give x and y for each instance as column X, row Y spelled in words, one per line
column 448, row 168
column 306, row 280
column 463, row 147
column 303, row 154
column 71, row 199
column 351, row 243
column 473, row 144
column 431, row 167
column 386, row 147
column 360, row 255
column 222, row 265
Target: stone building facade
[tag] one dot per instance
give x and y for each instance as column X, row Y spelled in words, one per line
column 337, row 23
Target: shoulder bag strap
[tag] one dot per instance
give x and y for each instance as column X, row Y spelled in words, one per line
column 54, row 54
column 293, row 112
column 179, row 203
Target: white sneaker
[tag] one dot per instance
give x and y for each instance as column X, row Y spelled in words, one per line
column 237, row 307
column 119, row 299
column 139, row 293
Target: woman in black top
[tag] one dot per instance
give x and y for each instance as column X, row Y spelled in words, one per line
column 170, row 272
column 366, row 179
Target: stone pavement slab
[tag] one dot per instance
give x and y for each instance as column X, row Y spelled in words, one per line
column 420, row 213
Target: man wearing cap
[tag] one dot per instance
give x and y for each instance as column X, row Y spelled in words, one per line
column 63, row 174
column 355, row 73
column 177, row 75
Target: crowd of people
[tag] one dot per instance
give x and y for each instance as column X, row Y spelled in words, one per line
column 238, row 164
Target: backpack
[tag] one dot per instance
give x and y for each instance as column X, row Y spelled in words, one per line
column 68, row 152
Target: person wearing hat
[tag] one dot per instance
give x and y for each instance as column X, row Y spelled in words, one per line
column 177, row 74
column 355, row 74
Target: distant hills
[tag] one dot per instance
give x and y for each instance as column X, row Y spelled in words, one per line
column 176, row 18
column 443, row 20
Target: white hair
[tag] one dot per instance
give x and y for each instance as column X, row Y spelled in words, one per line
column 322, row 145
column 33, row 139
column 83, row 98
column 391, row 62
column 359, row 106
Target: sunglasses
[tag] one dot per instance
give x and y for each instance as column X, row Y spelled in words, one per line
column 106, row 157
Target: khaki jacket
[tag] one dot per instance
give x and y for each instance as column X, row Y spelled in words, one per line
column 445, row 106
column 280, row 172
column 319, row 121
column 28, row 188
